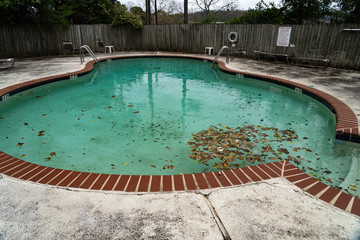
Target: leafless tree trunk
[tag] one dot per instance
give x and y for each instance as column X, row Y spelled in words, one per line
column 148, row 12
column 156, row 13
column 186, row 15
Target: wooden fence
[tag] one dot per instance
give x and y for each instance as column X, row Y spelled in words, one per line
column 317, row 41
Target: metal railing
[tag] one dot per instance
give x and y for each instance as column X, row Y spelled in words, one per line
column 221, row 50
column 88, row 49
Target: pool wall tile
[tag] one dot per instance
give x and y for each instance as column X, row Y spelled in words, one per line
column 297, row 177
column 155, row 183
column 78, row 180
column 131, row 187
column 329, row 194
column 32, row 173
column 100, row 182
column 343, row 201
column 122, row 183
column 69, row 179
column 317, row 188
column 305, row 183
column 356, row 207
column 250, row 174
column 89, row 180
column 275, row 168
column 56, row 180
column 268, row 170
column 179, row 183
column 167, row 183
column 144, row 183
column 260, row 173
column 18, row 168
column 241, row 175
column 222, row 178
column 110, row 184
column 232, row 177
column 190, row 183
column 201, row 181
column 50, row 176
column 212, row 180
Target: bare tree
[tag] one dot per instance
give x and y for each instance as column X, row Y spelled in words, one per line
column 156, row 12
column 148, row 11
column 208, row 7
column 186, row 15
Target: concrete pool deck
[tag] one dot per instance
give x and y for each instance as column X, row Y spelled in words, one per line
column 272, row 209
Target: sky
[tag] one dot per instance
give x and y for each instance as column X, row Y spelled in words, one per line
column 240, row 4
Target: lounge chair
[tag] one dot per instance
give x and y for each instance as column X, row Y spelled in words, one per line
column 307, row 60
column 69, row 46
column 105, row 46
column 275, row 56
column 11, row 62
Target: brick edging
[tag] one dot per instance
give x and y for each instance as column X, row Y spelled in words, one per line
column 17, row 168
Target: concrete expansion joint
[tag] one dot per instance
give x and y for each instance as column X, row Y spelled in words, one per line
column 218, row 221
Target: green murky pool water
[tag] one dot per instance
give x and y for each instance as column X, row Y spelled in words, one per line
column 170, row 116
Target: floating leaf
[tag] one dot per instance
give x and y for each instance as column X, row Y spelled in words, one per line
column 48, row 158
column 126, row 163
column 52, row 154
column 153, row 166
column 23, row 155
column 25, row 123
column 20, row 144
column 136, row 112
column 43, row 114
column 329, row 180
column 168, row 167
column 41, row 133
column 129, row 105
column 283, row 150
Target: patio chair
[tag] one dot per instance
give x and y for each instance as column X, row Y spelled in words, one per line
column 72, row 47
column 11, row 62
column 240, row 51
column 105, row 46
column 307, row 60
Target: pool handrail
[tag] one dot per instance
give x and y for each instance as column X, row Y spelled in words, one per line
column 221, row 50
column 88, row 49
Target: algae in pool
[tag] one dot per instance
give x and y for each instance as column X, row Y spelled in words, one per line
column 171, row 116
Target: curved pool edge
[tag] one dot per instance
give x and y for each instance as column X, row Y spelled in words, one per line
column 347, row 128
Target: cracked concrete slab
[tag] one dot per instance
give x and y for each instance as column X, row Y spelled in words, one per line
column 276, row 209
column 272, row 209
column 33, row 211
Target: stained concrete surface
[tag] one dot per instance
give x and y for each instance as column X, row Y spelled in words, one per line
column 273, row 209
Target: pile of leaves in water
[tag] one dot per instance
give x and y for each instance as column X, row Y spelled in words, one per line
column 237, row 147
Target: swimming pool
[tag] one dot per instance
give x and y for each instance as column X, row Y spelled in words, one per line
column 171, row 105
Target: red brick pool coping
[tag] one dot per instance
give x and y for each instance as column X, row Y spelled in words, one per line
column 347, row 128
